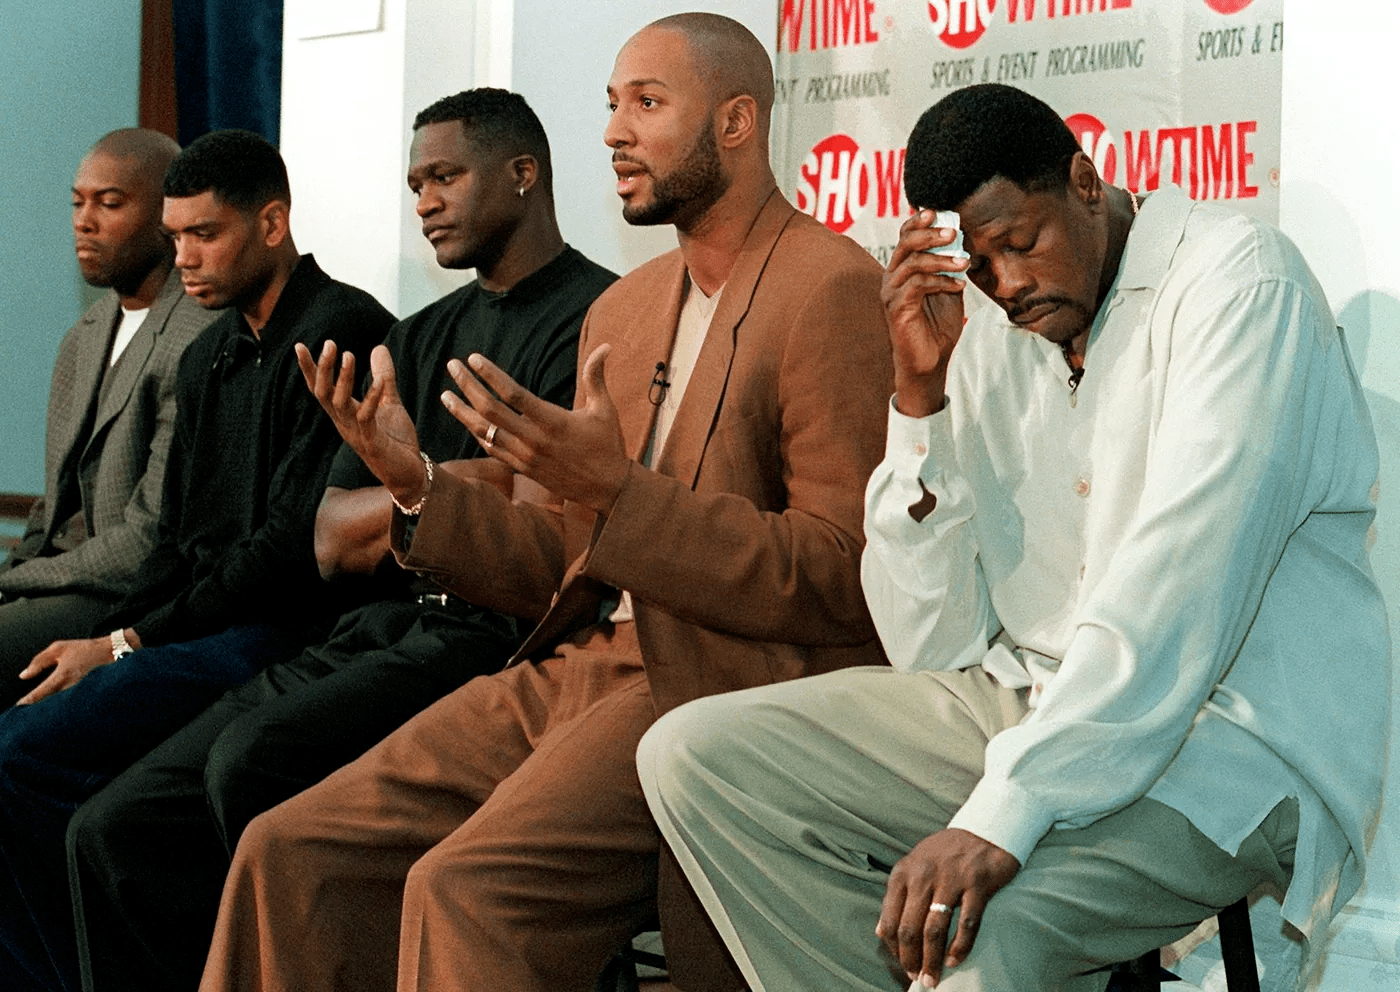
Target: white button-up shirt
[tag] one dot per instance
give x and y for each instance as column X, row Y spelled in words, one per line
column 1175, row 564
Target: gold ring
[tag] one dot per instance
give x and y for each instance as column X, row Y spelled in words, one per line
column 490, row 437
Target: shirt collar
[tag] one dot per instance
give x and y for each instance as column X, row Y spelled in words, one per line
column 300, row 287
column 1153, row 239
column 543, row 280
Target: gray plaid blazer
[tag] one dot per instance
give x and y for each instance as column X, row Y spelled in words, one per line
column 119, row 471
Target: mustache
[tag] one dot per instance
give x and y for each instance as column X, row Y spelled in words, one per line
column 1017, row 310
column 628, row 159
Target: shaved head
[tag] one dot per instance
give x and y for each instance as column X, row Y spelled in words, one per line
column 727, row 56
column 150, row 152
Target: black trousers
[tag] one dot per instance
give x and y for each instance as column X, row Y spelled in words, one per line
column 147, row 855
column 57, row 753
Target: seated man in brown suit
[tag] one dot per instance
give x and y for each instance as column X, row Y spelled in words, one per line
column 111, row 409
column 705, row 535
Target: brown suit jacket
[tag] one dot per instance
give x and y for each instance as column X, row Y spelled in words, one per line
column 742, row 548
column 119, row 471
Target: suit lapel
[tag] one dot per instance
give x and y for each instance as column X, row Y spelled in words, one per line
column 89, row 364
column 138, row 351
column 632, row 362
column 699, row 409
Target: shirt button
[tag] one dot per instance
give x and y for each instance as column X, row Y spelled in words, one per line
column 1081, row 571
column 1039, row 687
column 1081, row 487
column 921, row 449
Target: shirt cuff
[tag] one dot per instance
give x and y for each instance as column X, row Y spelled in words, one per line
column 914, row 442
column 1002, row 814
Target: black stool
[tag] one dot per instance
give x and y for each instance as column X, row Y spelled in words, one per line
column 621, row 973
column 1146, row 974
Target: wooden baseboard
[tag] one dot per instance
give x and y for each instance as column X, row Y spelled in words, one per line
column 16, row 506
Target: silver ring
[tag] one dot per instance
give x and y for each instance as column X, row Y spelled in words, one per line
column 490, row 437
column 939, row 907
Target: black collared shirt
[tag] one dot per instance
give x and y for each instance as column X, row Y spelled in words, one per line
column 247, row 466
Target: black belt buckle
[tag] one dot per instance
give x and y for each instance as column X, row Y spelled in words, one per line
column 438, row 599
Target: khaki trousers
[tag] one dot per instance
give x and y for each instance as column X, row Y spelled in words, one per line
column 498, row 841
column 787, row 804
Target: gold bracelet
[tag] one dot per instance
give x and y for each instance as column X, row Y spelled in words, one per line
column 417, row 508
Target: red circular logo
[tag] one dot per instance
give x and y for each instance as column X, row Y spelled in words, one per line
column 834, row 182
column 959, row 23
column 1228, row 6
column 1097, row 143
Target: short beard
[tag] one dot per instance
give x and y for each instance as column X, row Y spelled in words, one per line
column 687, row 192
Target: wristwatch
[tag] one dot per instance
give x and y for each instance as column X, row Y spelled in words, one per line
column 120, row 646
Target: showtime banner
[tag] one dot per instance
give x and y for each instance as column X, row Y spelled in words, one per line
column 1185, row 92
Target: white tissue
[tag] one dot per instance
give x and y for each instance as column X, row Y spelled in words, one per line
column 950, row 218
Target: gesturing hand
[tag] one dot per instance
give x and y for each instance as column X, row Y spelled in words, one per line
column 378, row 427
column 576, row 454
column 924, row 312
column 70, row 661
column 949, row 870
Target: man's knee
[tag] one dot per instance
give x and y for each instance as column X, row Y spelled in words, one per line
column 695, row 736
column 441, row 879
column 235, row 782
column 23, row 731
column 97, row 827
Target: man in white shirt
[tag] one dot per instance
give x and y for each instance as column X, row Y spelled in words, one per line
column 1117, row 554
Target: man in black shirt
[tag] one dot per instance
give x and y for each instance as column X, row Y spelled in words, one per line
column 231, row 584
column 148, row 855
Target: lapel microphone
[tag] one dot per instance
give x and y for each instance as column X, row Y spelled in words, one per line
column 657, row 392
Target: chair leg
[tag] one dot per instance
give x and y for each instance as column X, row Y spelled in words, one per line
column 619, row 975
column 1142, row 974
column 1237, row 948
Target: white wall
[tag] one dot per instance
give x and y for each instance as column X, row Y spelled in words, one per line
column 348, row 103
column 1340, row 163
column 68, row 75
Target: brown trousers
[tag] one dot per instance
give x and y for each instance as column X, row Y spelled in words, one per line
column 498, row 841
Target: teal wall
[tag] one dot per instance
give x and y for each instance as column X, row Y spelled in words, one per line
column 68, row 74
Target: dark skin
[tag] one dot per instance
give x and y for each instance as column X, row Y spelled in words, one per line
column 479, row 210
column 1048, row 260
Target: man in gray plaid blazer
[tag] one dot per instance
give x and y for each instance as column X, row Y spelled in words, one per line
column 111, row 410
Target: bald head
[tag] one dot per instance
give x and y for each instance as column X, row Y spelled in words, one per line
column 148, row 152
column 727, row 56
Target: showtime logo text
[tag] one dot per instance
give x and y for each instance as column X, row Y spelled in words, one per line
column 1063, row 8
column 828, row 24
column 838, row 182
column 1211, row 162
column 961, row 23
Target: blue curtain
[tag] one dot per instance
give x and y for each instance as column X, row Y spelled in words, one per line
column 228, row 66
